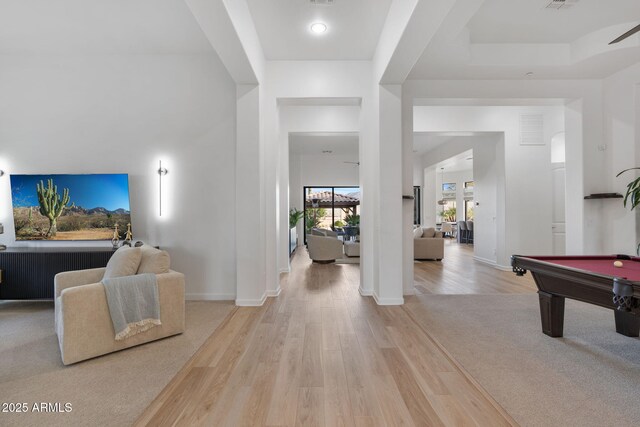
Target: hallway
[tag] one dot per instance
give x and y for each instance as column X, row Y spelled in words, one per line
column 321, row 354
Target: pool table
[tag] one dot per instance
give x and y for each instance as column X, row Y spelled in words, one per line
column 591, row 279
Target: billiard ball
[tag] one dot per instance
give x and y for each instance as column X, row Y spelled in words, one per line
column 617, row 264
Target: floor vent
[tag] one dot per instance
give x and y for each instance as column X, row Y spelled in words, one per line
column 531, row 129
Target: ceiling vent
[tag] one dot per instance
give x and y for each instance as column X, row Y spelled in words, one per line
column 561, row 4
column 531, row 129
column 327, row 2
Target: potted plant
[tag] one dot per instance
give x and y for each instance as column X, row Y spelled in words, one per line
column 295, row 216
column 632, row 195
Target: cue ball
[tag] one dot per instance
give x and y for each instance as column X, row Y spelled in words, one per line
column 617, row 264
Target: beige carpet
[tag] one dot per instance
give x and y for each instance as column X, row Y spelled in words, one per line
column 590, row 377
column 107, row 391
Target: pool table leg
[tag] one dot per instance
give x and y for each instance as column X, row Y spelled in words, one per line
column 627, row 324
column 551, row 314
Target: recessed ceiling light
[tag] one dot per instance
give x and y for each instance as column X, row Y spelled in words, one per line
column 529, row 74
column 318, row 27
column 327, row 151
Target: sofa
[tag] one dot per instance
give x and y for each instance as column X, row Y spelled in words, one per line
column 324, row 245
column 428, row 244
column 82, row 320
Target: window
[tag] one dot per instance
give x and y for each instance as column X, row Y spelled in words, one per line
column 448, row 212
column 331, row 207
column 468, row 200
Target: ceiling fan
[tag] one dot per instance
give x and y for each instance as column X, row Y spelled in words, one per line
column 626, row 35
column 353, row 163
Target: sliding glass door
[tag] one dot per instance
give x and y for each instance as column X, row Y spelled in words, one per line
column 333, row 208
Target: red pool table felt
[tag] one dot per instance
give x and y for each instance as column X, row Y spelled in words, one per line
column 603, row 265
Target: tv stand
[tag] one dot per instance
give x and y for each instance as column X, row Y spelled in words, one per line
column 27, row 273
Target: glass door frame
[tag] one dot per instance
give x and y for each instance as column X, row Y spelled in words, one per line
column 333, row 203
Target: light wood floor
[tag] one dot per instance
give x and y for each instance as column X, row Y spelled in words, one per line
column 321, row 354
column 459, row 273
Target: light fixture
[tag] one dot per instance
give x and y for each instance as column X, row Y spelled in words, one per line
column 161, row 172
column 327, row 151
column 1, row 172
column 529, row 74
column 318, row 28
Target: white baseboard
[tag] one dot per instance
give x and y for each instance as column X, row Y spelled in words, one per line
column 411, row 291
column 209, row 297
column 388, row 301
column 274, row 293
column 251, row 302
column 365, row 293
column 492, row 263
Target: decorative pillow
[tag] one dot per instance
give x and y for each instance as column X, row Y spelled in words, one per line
column 153, row 260
column 417, row 233
column 429, row 232
column 124, row 262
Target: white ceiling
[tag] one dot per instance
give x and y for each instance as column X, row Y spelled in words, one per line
column 423, row 142
column 345, row 144
column 354, row 27
column 505, row 39
column 528, row 21
column 99, row 27
column 458, row 163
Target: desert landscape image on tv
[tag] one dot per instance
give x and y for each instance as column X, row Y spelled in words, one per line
column 70, row 207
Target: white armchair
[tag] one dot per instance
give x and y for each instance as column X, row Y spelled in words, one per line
column 83, row 323
column 323, row 248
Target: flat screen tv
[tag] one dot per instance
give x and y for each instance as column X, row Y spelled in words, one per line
column 70, row 207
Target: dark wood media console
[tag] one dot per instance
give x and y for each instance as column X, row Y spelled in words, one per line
column 27, row 273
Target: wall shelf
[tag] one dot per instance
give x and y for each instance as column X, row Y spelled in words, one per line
column 604, row 196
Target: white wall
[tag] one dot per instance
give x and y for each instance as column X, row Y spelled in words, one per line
column 488, row 177
column 585, row 165
column 121, row 114
column 622, row 139
column 528, row 201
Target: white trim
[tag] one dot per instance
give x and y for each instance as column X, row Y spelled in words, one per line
column 251, row 302
column 285, row 270
column 388, row 301
column 485, row 261
column 411, row 291
column 210, row 297
column 365, row 292
column 274, row 293
column 492, row 263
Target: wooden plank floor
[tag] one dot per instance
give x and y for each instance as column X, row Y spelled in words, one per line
column 321, row 354
column 459, row 273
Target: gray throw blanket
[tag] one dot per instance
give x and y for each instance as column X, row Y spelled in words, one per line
column 134, row 304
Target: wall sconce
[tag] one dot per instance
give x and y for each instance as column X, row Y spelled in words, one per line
column 161, row 172
column 1, row 172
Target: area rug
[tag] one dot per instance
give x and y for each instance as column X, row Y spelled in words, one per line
column 590, row 377
column 111, row 390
